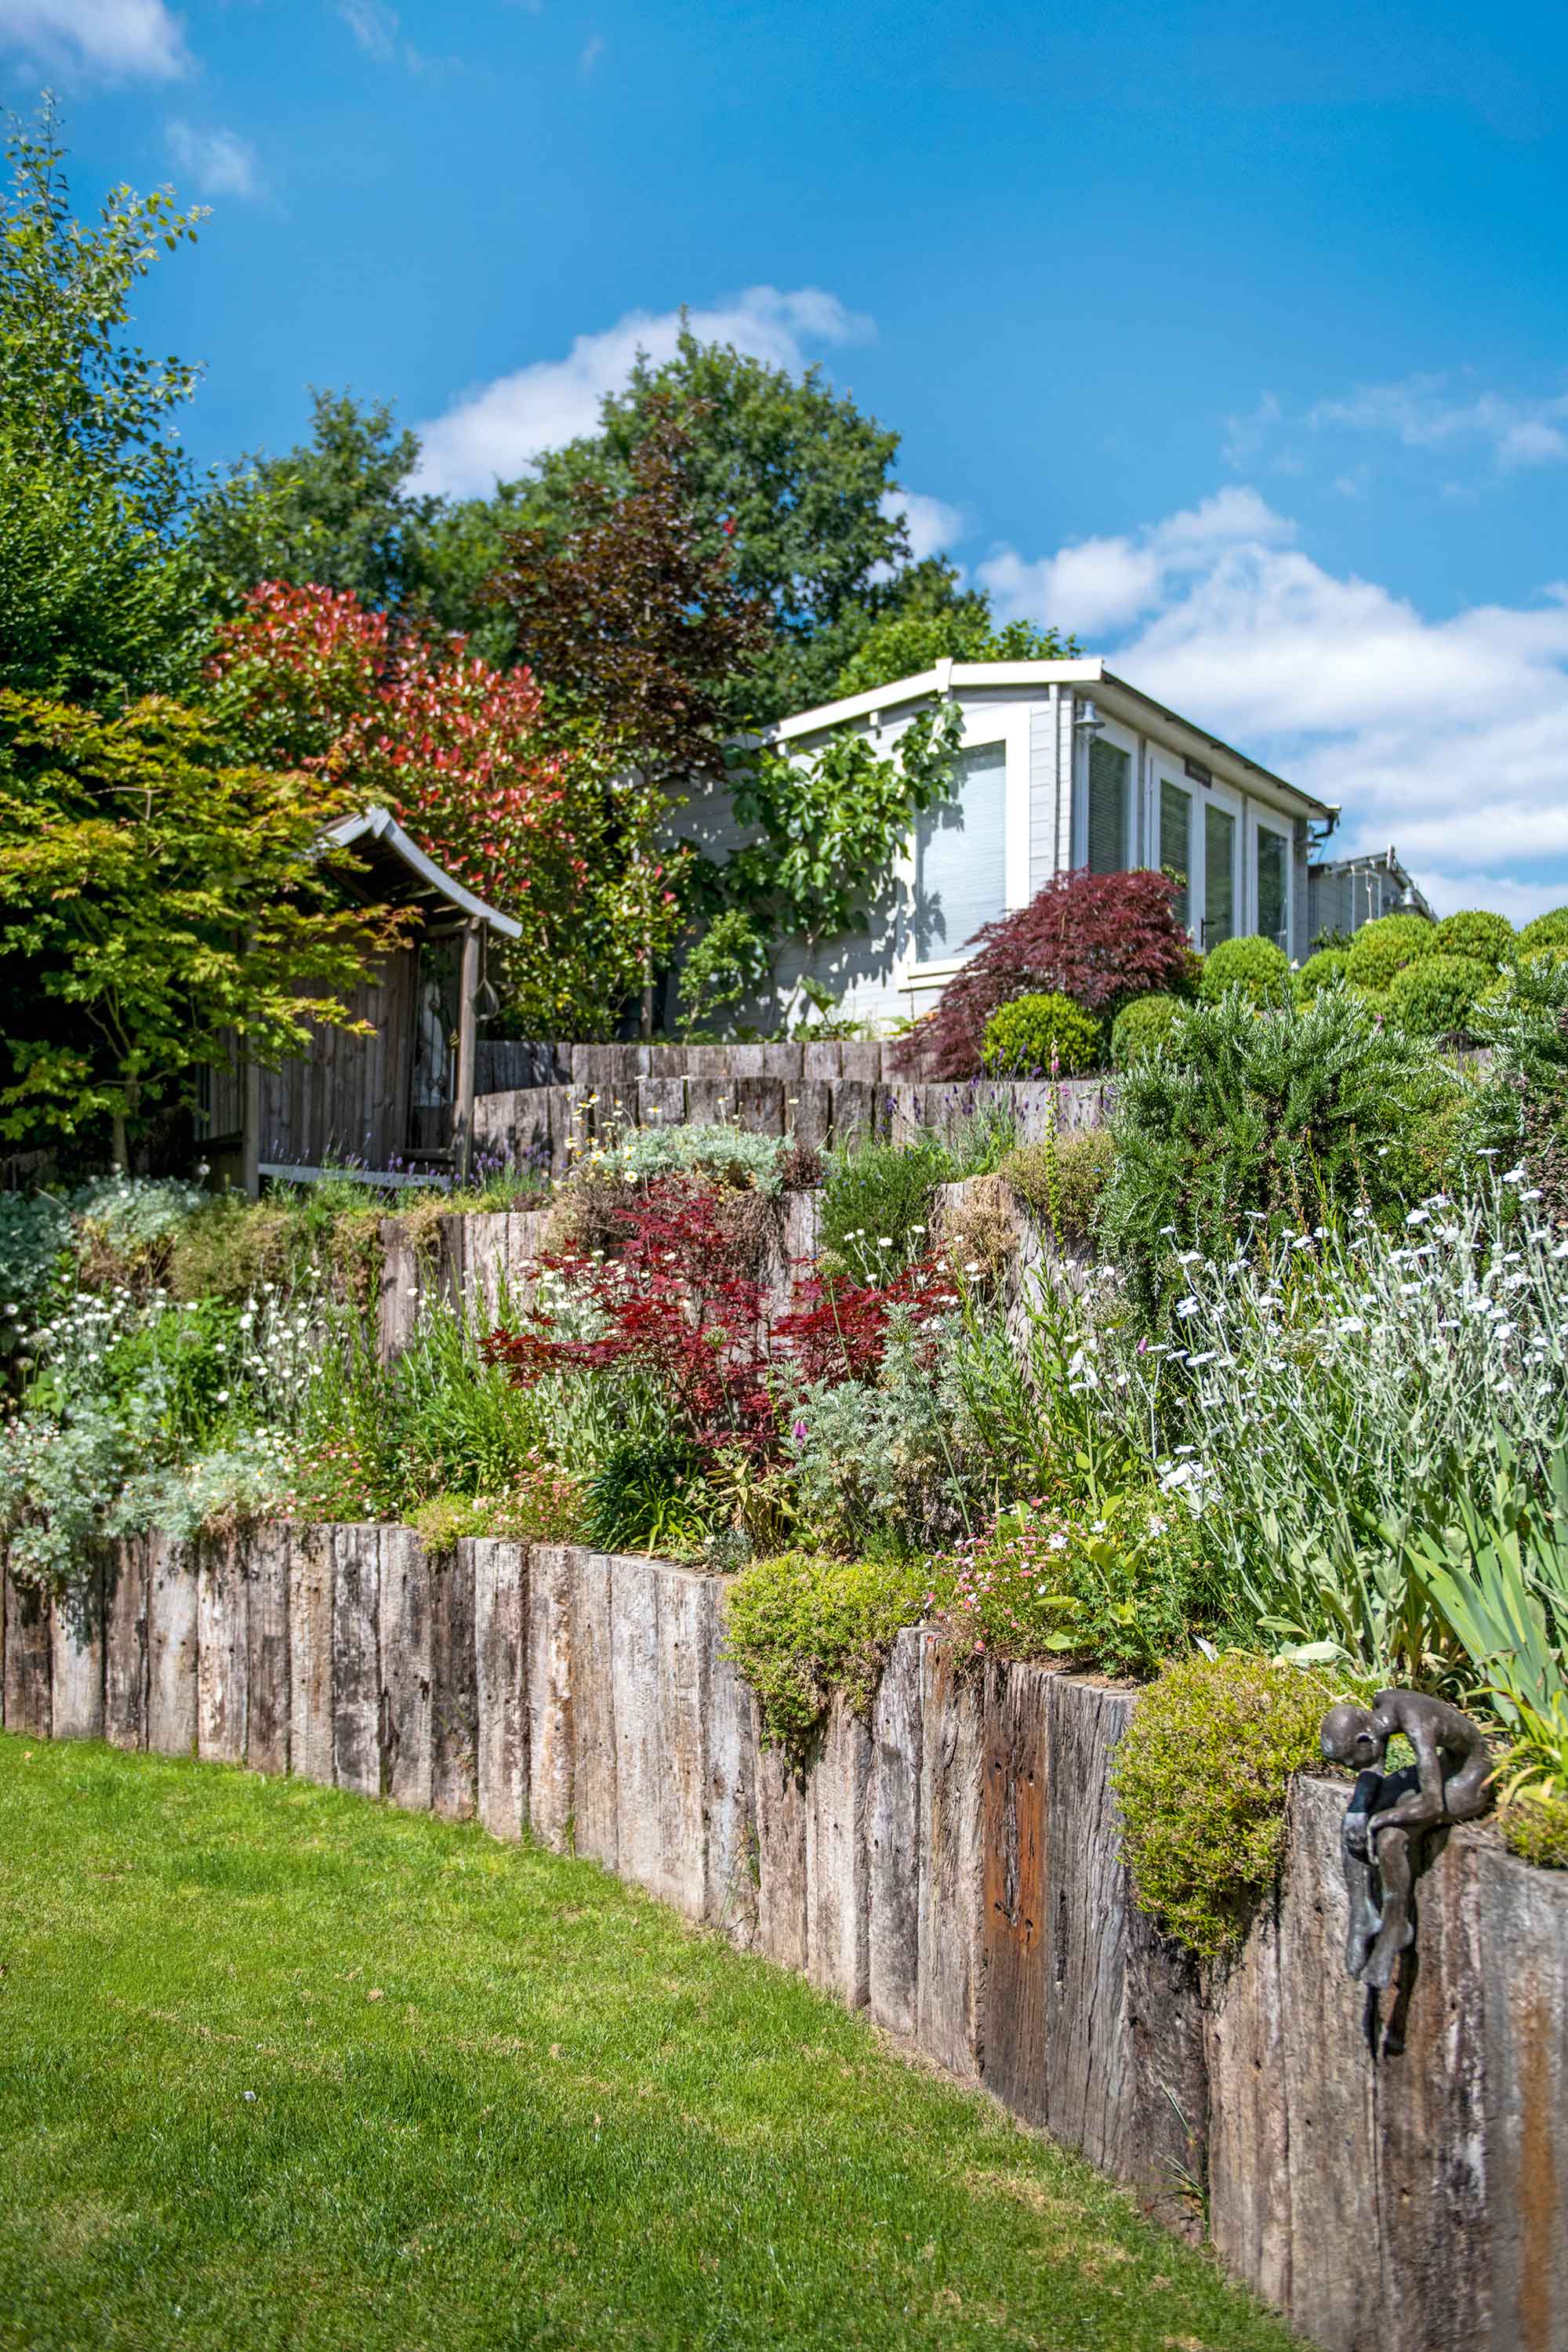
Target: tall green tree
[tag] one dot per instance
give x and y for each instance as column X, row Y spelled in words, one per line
column 795, row 496
column 99, row 595
column 337, row 511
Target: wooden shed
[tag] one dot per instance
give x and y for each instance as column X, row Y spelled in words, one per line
column 403, row 1097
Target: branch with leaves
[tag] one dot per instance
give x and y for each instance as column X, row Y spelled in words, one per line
column 826, row 827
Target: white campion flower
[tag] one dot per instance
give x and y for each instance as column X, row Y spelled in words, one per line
column 1188, row 1306
column 1420, row 1217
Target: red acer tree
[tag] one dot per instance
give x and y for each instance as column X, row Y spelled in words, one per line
column 396, row 715
column 1099, row 939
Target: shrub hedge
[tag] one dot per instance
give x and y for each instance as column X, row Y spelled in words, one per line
column 1143, row 1026
column 1254, row 964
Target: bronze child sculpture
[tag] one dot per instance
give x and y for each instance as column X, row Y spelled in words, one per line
column 1390, row 1814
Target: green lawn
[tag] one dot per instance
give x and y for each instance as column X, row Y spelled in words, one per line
column 279, row 2067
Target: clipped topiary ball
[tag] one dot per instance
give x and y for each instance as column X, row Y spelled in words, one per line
column 1035, row 1036
column 1144, row 1026
column 1254, row 964
column 1475, row 931
column 1320, row 971
column 1435, row 995
column 1379, row 950
column 1550, row 930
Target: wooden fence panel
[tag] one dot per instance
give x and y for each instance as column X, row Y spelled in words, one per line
column 125, row 1643
column 358, row 1761
column 265, row 1559
column 730, row 1891
column 407, row 1580
column 310, row 1655
column 171, row 1638
column 501, row 1608
column 837, row 1860
column 595, row 1799
column 1523, row 1995
column 28, row 1660
column 782, row 1895
column 76, row 1665
column 223, row 1651
column 454, row 1688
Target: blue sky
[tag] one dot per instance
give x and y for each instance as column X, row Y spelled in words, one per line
column 1238, row 345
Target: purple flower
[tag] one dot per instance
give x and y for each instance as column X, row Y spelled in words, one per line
column 799, row 1432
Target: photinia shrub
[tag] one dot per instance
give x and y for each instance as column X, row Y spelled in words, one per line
column 676, row 1300
column 393, row 715
column 1099, row 939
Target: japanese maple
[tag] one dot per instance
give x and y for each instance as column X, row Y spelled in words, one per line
column 1099, row 939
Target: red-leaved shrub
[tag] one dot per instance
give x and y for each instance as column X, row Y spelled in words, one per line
column 1100, row 939
column 842, row 1333
column 676, row 1300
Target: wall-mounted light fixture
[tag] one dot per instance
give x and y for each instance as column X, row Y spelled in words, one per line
column 1090, row 721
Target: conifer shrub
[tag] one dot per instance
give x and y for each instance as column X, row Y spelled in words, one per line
column 1435, row 995
column 1256, row 964
column 1323, row 969
column 1476, row 931
column 1381, row 948
column 1285, row 1118
column 1144, row 1026
column 1201, row 1776
column 1099, row 939
column 1039, row 1036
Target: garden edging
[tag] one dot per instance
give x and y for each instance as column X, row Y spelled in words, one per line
column 949, row 1862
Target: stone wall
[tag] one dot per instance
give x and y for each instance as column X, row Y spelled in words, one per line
column 950, row 1863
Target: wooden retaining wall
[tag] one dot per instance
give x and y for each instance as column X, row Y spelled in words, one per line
column 821, row 1095
column 950, row 1863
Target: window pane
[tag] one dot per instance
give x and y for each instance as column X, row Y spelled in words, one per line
column 1220, row 875
column 961, row 857
column 1271, row 886
column 1109, row 770
column 1176, row 845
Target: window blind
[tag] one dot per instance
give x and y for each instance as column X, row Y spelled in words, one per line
column 1220, row 875
column 1109, row 770
column 961, row 857
column 1176, row 845
column 1271, row 892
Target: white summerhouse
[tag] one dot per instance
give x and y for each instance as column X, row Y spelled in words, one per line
column 1064, row 765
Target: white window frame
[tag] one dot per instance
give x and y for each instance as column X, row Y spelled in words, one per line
column 1109, row 730
column 1009, row 726
column 1282, row 827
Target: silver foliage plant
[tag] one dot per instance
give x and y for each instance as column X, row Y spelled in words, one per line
column 1373, row 1426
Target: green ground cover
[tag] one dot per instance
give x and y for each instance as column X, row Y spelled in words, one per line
column 282, row 2068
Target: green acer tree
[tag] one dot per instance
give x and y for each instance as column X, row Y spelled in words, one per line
column 153, row 897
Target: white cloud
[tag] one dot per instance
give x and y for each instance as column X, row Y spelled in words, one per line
column 932, row 525
column 1106, row 583
column 498, row 429
column 1423, row 413
column 110, row 40
column 220, row 162
column 373, row 27
column 1448, row 737
column 592, row 52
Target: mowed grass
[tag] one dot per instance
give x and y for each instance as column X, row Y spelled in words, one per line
column 279, row 2067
